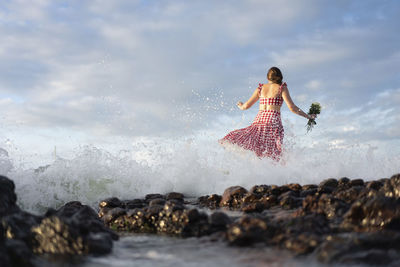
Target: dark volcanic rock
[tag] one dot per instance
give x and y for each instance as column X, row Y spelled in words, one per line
column 74, row 229
column 248, row 230
column 331, row 182
column 219, row 221
column 56, row 237
column 211, row 202
column 232, row 196
column 360, row 248
column 8, row 198
column 174, row 195
column 373, row 215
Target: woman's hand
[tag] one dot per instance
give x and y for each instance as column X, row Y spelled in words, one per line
column 240, row 105
column 312, row 116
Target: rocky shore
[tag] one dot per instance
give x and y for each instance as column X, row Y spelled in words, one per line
column 337, row 221
column 25, row 238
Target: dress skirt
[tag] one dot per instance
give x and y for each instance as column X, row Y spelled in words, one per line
column 264, row 136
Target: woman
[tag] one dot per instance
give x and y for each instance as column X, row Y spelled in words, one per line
column 265, row 135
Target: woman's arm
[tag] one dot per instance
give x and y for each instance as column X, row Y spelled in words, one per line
column 292, row 107
column 253, row 99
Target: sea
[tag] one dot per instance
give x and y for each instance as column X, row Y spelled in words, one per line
column 193, row 164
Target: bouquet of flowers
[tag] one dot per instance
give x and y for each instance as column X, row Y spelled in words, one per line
column 315, row 109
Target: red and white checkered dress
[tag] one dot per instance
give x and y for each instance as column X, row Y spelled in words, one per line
column 265, row 135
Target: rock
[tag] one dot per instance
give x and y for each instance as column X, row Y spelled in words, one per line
column 134, row 203
column 349, row 195
column 174, row 195
column 247, row 231
column 294, row 187
column 149, row 197
column 18, row 226
column 357, row 182
column 112, row 202
column 211, row 202
column 329, row 206
column 232, row 196
column 112, row 214
column 219, row 220
column 391, row 187
column 99, row 243
column 303, row 243
column 259, row 189
column 308, row 192
column 360, row 248
column 8, row 198
column 157, row 201
column 373, row 214
column 309, row 187
column 19, row 254
column 4, row 256
column 289, row 200
column 310, row 223
column 374, row 185
column 253, row 207
column 269, row 201
column 56, row 237
column 331, row 182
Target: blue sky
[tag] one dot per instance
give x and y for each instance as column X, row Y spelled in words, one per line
column 107, row 69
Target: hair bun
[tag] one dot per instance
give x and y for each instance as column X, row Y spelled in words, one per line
column 275, row 75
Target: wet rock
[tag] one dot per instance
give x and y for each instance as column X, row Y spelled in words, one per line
column 174, row 195
column 295, row 187
column 374, row 185
column 99, row 243
column 391, row 187
column 250, row 198
column 269, row 201
column 251, row 203
column 303, row 243
column 18, row 226
column 156, row 201
column 112, row 202
column 248, row 230
column 56, row 237
column 8, row 198
column 331, row 182
column 4, row 257
column 232, row 196
column 357, row 182
column 308, row 192
column 253, row 207
column 219, row 221
column 112, row 214
column 289, row 200
column 310, row 223
column 373, row 214
column 308, row 187
column 343, row 181
column 149, row 197
column 349, row 195
column 259, row 189
column 134, row 203
column 211, row 202
column 19, row 254
column 360, row 248
column 278, row 190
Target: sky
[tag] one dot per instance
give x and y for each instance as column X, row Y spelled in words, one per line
column 76, row 72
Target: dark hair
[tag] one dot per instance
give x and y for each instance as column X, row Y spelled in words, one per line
column 275, row 75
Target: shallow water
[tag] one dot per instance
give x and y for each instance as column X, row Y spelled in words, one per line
column 150, row 250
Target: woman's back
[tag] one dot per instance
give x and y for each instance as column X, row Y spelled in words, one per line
column 270, row 90
column 270, row 95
